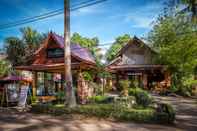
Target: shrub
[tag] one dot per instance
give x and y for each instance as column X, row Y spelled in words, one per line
column 165, row 112
column 132, row 91
column 142, row 97
column 97, row 88
column 124, row 102
column 101, row 99
column 87, row 76
column 124, row 86
column 148, row 115
column 60, row 96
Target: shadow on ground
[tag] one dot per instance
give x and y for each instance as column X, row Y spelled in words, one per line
column 186, row 119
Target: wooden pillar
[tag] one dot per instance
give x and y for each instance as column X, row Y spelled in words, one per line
column 117, row 80
column 46, row 84
column 62, row 82
column 145, row 80
column 34, row 83
column 167, row 78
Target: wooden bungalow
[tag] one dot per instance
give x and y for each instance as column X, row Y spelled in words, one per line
column 135, row 61
column 49, row 59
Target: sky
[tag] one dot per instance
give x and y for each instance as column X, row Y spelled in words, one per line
column 106, row 20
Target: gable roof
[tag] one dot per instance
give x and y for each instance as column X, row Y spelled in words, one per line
column 135, row 40
column 78, row 52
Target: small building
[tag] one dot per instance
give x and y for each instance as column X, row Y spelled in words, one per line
column 48, row 65
column 135, row 61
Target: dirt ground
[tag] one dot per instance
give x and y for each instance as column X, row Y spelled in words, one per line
column 186, row 120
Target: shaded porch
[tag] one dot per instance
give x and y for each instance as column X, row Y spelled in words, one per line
column 149, row 77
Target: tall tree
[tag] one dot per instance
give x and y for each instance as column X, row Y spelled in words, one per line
column 70, row 95
column 15, row 50
column 84, row 41
column 191, row 6
column 116, row 46
column 177, row 47
column 90, row 43
column 20, row 51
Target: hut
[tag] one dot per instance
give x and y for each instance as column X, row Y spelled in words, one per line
column 135, row 62
column 48, row 67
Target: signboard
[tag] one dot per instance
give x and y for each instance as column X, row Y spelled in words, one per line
column 55, row 53
column 12, row 92
column 23, row 95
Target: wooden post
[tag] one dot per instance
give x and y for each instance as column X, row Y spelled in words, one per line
column 117, row 80
column 145, row 81
column 34, row 83
column 46, row 84
column 70, row 95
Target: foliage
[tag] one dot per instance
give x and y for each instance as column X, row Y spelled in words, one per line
column 87, row 76
column 5, row 68
column 116, row 46
column 190, row 8
column 147, row 115
column 176, row 42
column 89, row 43
column 60, row 96
column 124, row 102
column 20, row 51
column 97, row 88
column 84, row 41
column 142, row 97
column 124, row 86
column 15, row 50
column 101, row 99
column 164, row 110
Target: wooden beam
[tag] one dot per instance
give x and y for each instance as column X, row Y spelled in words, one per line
column 34, row 83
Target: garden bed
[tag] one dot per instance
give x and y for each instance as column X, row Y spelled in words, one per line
column 147, row 115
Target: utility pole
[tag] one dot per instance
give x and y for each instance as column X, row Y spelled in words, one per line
column 70, row 100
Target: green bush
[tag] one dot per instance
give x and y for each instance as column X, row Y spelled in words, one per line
column 124, row 102
column 148, row 115
column 142, row 97
column 124, row 86
column 165, row 112
column 87, row 76
column 60, row 96
column 101, row 99
column 97, row 88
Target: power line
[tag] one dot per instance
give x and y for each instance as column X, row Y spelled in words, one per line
column 49, row 14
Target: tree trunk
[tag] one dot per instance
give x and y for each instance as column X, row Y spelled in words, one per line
column 70, row 100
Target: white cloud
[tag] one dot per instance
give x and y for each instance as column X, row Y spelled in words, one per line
column 144, row 16
column 139, row 22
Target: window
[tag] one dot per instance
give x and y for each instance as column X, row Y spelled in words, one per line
column 55, row 53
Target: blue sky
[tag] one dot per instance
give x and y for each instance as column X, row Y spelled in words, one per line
column 106, row 20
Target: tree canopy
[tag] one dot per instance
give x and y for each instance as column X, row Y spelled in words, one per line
column 116, row 46
column 176, row 41
column 19, row 51
column 90, row 43
column 5, row 68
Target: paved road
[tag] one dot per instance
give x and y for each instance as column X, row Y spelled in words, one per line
column 186, row 111
column 12, row 121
